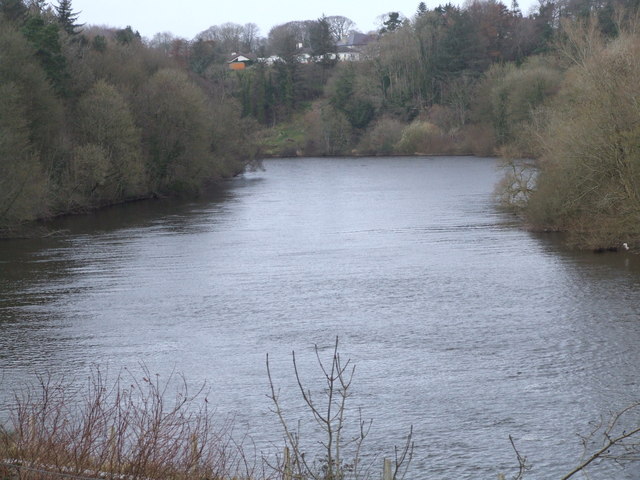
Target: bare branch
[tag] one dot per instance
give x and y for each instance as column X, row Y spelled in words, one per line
column 628, row 451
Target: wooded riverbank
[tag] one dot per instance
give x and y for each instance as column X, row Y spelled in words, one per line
column 96, row 116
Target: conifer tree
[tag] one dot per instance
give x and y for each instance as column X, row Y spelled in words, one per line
column 67, row 17
column 392, row 23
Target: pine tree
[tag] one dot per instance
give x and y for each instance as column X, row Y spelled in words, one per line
column 67, row 17
column 392, row 23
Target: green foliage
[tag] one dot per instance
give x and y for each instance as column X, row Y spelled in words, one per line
column 45, row 39
column 67, row 18
column 13, row 10
column 256, row 93
column 392, row 23
column 321, row 40
column 358, row 110
column 99, row 43
column 43, row 111
column 126, row 36
column 284, row 84
column 23, row 186
column 203, row 54
column 176, row 128
column 104, row 120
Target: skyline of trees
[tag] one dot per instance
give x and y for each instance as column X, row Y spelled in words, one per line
column 93, row 116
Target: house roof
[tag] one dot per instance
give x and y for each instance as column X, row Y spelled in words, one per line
column 240, row 57
column 355, row 39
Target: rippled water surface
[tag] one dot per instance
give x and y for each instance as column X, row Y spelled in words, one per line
column 460, row 323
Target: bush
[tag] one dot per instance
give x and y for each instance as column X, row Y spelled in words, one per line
column 382, row 137
column 424, row 138
column 477, row 139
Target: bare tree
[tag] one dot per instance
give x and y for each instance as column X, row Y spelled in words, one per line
column 250, row 37
column 342, row 456
column 229, row 36
column 340, row 26
column 162, row 41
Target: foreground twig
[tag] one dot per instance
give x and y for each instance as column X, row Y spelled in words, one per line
column 615, row 446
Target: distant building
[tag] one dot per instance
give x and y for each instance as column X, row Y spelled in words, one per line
column 239, row 61
column 351, row 48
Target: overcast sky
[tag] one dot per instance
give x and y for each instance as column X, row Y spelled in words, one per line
column 186, row 18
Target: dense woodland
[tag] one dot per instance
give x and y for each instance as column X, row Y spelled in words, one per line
column 94, row 116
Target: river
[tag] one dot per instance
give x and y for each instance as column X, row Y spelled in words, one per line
column 460, row 323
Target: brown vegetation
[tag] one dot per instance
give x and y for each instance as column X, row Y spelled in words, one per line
column 589, row 177
column 122, row 427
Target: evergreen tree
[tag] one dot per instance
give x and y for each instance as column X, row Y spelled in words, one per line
column 392, row 23
column 67, row 17
column 320, row 38
column 126, row 36
column 44, row 37
column 323, row 45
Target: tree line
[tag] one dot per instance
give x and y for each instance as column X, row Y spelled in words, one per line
column 586, row 180
column 557, row 85
column 92, row 117
column 448, row 80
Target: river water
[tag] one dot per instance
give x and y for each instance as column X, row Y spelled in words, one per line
column 460, row 323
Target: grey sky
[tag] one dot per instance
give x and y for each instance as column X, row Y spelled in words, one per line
column 186, row 18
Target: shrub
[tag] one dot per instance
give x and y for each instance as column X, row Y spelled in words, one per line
column 477, row 139
column 424, row 138
column 382, row 137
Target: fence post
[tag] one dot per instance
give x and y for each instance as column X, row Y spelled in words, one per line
column 286, row 471
column 386, row 470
